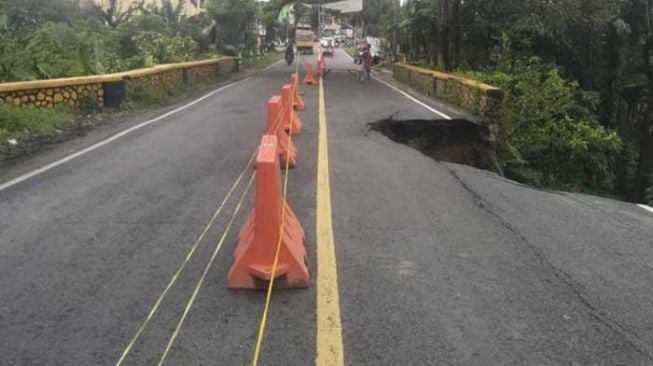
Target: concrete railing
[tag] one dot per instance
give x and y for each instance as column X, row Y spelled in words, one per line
column 474, row 97
column 110, row 90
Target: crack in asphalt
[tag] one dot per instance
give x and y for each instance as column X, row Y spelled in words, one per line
column 630, row 336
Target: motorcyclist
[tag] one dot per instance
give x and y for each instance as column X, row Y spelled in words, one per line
column 290, row 54
column 359, row 53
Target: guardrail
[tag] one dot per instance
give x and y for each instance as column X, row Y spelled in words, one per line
column 472, row 96
column 110, row 90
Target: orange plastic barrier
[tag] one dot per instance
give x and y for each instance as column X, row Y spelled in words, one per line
column 309, row 79
column 285, row 147
column 298, row 102
column 290, row 121
column 259, row 237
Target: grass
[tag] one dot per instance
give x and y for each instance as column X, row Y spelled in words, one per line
column 18, row 122
column 142, row 97
column 260, row 62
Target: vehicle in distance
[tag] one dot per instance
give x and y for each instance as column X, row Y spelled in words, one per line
column 327, row 46
column 304, row 40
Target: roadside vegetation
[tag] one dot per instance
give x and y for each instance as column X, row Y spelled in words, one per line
column 18, row 122
column 551, row 135
column 577, row 78
column 45, row 39
column 52, row 39
column 23, row 129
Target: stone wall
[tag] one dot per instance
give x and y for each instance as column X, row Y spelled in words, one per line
column 49, row 97
column 472, row 96
column 78, row 91
column 202, row 73
column 167, row 79
column 229, row 65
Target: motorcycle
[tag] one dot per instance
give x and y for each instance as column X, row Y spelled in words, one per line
column 290, row 58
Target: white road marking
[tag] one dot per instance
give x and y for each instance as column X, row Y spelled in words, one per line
column 647, row 208
column 428, row 107
column 110, row 139
column 445, row 116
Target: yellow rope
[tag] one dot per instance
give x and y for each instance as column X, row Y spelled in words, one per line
column 193, row 249
column 276, row 126
column 195, row 246
column 190, row 254
column 198, row 286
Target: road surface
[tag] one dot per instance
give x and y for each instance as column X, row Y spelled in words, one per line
column 437, row 263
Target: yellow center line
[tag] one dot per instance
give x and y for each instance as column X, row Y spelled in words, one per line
column 329, row 328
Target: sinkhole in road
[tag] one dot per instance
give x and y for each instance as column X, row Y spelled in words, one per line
column 457, row 140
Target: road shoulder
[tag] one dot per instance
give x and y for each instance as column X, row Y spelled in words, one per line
column 116, row 123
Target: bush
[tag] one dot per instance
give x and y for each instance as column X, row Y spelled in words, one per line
column 141, row 97
column 165, row 49
column 13, row 56
column 16, row 122
column 87, row 46
column 100, row 48
column 53, row 51
column 550, row 136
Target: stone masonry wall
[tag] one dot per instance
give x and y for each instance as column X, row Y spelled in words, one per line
column 473, row 97
column 165, row 80
column 76, row 91
column 70, row 95
column 202, row 73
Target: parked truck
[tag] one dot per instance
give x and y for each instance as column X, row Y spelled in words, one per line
column 304, row 40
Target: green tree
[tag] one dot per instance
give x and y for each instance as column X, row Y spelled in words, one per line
column 375, row 19
column 162, row 48
column 30, row 14
column 550, row 134
column 233, row 21
column 13, row 53
column 53, row 51
column 115, row 13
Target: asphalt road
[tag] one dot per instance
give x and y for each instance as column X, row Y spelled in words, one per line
column 87, row 247
column 438, row 264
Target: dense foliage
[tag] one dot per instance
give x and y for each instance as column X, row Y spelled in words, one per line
column 577, row 74
column 550, row 133
column 48, row 39
column 234, row 18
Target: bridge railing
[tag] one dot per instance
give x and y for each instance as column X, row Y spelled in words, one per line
column 469, row 95
column 110, row 90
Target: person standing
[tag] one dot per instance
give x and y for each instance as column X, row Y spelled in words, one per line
column 366, row 62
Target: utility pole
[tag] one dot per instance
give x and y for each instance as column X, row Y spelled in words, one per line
column 394, row 32
column 442, row 54
column 648, row 16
